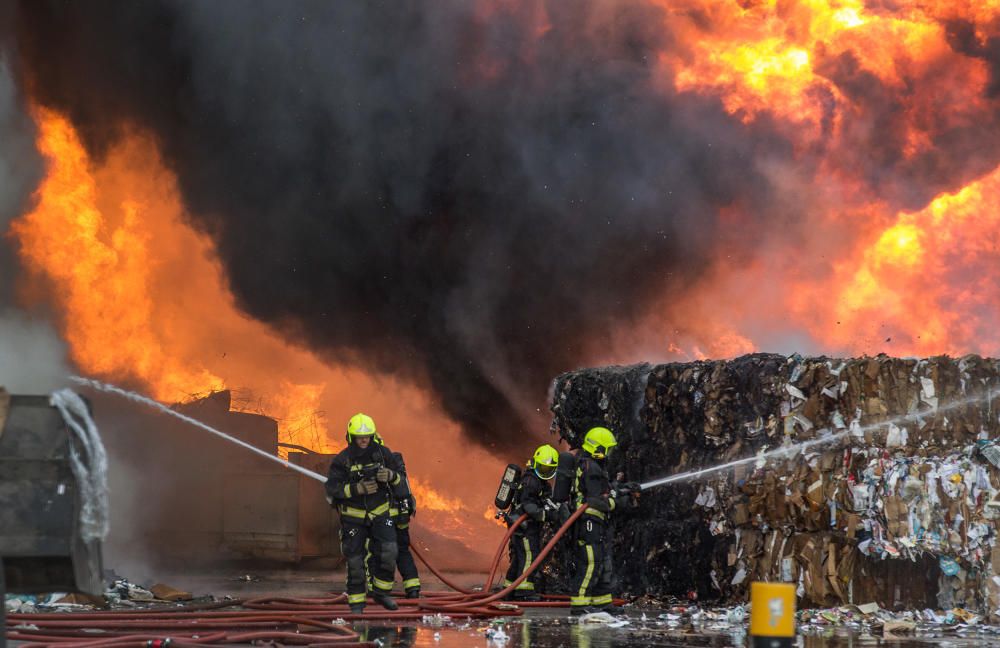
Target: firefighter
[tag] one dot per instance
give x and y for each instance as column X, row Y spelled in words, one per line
column 591, row 583
column 405, row 507
column 532, row 498
column 360, row 483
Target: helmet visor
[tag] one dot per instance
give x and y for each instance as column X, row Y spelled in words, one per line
column 545, row 472
column 602, row 452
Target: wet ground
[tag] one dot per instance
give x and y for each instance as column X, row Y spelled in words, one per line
column 547, row 629
column 550, row 628
column 555, row 628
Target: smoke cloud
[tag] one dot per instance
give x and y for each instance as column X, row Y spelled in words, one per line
column 465, row 195
column 20, row 163
column 32, row 357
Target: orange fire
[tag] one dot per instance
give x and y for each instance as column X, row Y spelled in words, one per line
column 490, row 514
column 142, row 299
column 771, row 56
column 110, row 240
column 923, row 285
column 856, row 275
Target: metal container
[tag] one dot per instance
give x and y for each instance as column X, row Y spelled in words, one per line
column 40, row 544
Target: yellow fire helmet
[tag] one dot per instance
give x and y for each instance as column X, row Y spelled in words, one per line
column 360, row 425
column 545, row 461
column 598, row 442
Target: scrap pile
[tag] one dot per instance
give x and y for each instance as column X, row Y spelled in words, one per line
column 900, row 507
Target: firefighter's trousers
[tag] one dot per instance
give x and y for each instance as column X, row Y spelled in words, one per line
column 407, row 567
column 376, row 536
column 591, row 584
column 524, row 547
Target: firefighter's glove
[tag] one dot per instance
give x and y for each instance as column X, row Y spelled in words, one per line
column 366, row 487
column 564, row 513
column 625, row 489
column 413, row 505
column 384, row 475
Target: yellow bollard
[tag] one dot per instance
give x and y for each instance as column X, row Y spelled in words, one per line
column 772, row 615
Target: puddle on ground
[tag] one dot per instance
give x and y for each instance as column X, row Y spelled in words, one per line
column 546, row 629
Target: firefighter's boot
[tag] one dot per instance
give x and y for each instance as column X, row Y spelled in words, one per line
column 385, row 600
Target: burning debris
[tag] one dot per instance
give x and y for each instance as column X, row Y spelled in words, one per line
column 900, row 507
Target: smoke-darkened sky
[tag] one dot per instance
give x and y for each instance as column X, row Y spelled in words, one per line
column 460, row 194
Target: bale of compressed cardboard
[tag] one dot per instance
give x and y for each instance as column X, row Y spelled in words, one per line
column 904, row 483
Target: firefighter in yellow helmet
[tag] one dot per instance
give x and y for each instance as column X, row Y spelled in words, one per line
column 532, row 498
column 591, row 583
column 360, row 484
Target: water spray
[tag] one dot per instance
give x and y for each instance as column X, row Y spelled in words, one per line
column 139, row 398
column 789, row 451
column 785, row 451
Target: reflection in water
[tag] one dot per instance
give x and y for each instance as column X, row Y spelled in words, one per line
column 550, row 629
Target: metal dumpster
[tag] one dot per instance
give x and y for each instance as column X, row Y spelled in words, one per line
column 45, row 544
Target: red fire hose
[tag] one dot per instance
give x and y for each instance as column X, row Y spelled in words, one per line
column 499, row 553
column 292, row 621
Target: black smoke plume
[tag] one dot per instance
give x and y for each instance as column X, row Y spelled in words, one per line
column 471, row 195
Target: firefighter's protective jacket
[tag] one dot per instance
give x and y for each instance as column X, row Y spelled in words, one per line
column 349, row 468
column 593, row 488
column 531, row 495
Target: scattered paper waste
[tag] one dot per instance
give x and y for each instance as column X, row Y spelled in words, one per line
column 900, row 504
column 603, row 618
column 20, row 604
column 167, row 593
column 130, row 591
column 496, row 634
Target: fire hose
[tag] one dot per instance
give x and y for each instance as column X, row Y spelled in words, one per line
column 291, row 621
column 269, row 619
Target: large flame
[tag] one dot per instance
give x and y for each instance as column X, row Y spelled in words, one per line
column 95, row 247
column 860, row 273
column 923, row 285
column 141, row 296
column 774, row 57
column 142, row 299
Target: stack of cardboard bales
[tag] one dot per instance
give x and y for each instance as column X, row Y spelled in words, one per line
column 900, row 507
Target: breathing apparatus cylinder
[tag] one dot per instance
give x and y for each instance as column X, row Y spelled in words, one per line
column 508, row 486
column 565, row 475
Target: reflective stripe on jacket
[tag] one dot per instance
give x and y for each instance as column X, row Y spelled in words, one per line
column 345, row 473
